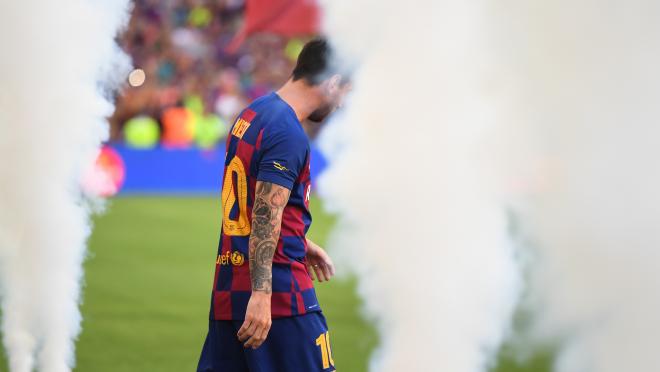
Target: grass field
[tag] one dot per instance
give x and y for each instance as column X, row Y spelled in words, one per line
column 148, row 287
column 148, row 281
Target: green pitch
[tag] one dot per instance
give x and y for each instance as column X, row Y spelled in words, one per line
column 148, row 280
column 148, row 289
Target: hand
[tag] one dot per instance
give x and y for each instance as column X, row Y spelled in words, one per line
column 257, row 320
column 319, row 262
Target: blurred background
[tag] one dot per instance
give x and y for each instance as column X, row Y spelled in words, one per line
column 150, row 268
column 197, row 64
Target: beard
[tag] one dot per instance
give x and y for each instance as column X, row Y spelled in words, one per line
column 320, row 114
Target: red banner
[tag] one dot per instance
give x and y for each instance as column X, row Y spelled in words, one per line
column 285, row 17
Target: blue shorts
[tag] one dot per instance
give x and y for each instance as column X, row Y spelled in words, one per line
column 296, row 344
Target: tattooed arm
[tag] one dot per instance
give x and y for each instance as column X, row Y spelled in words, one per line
column 269, row 202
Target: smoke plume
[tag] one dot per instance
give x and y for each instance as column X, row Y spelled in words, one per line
column 584, row 99
column 421, row 225
column 59, row 62
column 463, row 110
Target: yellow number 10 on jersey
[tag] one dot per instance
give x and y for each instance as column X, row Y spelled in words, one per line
column 231, row 193
column 326, row 353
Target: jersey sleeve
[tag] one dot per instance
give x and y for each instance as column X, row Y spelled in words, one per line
column 282, row 158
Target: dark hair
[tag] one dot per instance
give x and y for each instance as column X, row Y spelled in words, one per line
column 314, row 62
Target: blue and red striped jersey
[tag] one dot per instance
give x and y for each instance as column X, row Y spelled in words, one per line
column 266, row 143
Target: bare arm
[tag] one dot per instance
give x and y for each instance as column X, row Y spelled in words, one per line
column 269, row 202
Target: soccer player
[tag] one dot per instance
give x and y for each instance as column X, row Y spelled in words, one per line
column 265, row 316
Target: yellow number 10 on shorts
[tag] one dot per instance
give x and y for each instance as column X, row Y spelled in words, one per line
column 326, row 352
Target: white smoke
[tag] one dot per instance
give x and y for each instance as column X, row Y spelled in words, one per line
column 59, row 61
column 586, row 81
column 420, row 222
column 561, row 101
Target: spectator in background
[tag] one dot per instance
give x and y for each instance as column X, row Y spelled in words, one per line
column 181, row 46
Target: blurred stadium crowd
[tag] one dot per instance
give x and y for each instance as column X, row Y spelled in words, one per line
column 194, row 84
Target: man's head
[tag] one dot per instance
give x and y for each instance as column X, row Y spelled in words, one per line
column 317, row 67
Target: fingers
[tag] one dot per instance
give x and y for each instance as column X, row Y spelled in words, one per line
column 257, row 335
column 327, row 271
column 330, row 268
column 247, row 330
column 258, row 338
column 253, row 332
column 310, row 270
column 315, row 272
column 323, row 272
column 319, row 273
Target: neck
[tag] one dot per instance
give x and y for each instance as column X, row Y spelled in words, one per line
column 300, row 96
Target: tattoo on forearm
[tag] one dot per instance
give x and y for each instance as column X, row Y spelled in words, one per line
column 269, row 203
